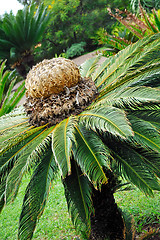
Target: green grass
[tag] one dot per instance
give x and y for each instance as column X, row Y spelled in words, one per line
column 55, row 222
column 144, row 209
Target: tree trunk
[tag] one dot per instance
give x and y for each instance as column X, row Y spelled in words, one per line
column 107, row 222
column 27, row 62
column 28, row 59
column 21, row 69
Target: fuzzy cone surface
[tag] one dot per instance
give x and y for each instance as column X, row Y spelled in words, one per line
column 56, row 90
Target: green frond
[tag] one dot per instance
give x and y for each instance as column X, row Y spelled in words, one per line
column 78, row 195
column 91, row 155
column 149, row 112
column 130, row 65
column 11, row 99
column 41, row 20
column 110, row 119
column 100, row 69
column 145, row 134
column 131, row 97
column 3, row 78
column 147, row 20
column 16, row 117
column 133, row 166
column 37, row 192
column 20, row 160
column 2, row 202
column 157, row 21
column 12, row 124
column 19, row 140
column 132, row 79
column 62, row 138
column 2, row 191
column 89, row 66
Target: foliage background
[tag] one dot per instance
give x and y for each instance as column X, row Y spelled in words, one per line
column 75, row 21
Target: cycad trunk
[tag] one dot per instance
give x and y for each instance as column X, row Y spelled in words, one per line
column 21, row 69
column 107, row 222
column 26, row 63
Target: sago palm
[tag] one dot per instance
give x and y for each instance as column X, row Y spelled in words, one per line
column 81, row 123
column 20, row 33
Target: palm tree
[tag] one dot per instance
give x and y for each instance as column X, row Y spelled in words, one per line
column 20, row 33
column 81, row 130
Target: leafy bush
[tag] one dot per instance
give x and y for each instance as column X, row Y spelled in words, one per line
column 74, row 21
column 75, row 50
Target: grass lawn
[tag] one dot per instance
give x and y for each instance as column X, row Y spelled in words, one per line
column 55, row 222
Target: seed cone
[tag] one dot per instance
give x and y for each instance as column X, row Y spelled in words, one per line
column 55, row 94
column 51, row 76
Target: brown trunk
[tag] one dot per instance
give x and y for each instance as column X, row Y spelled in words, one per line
column 107, row 222
column 26, row 63
column 21, row 69
column 28, row 59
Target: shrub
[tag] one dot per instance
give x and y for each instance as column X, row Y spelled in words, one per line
column 76, row 49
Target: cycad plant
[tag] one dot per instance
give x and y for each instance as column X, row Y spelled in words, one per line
column 81, row 124
column 136, row 27
column 19, row 34
column 147, row 4
column 8, row 97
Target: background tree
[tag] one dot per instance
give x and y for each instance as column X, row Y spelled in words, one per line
column 75, row 21
column 29, row 2
column 20, row 34
column 119, row 126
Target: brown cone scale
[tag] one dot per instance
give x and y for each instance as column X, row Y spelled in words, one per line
column 51, row 76
column 55, row 90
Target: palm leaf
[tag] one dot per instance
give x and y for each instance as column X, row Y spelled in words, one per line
column 78, row 195
column 145, row 134
column 3, row 78
column 130, row 79
column 22, row 162
column 2, row 191
column 27, row 28
column 2, row 202
column 149, row 112
column 62, row 137
column 41, row 21
column 89, row 66
column 134, row 168
column 108, row 119
column 100, row 69
column 151, row 26
column 11, row 100
column 137, row 57
column 91, row 155
column 157, row 21
column 17, row 140
column 130, row 97
column 37, row 191
column 13, row 123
